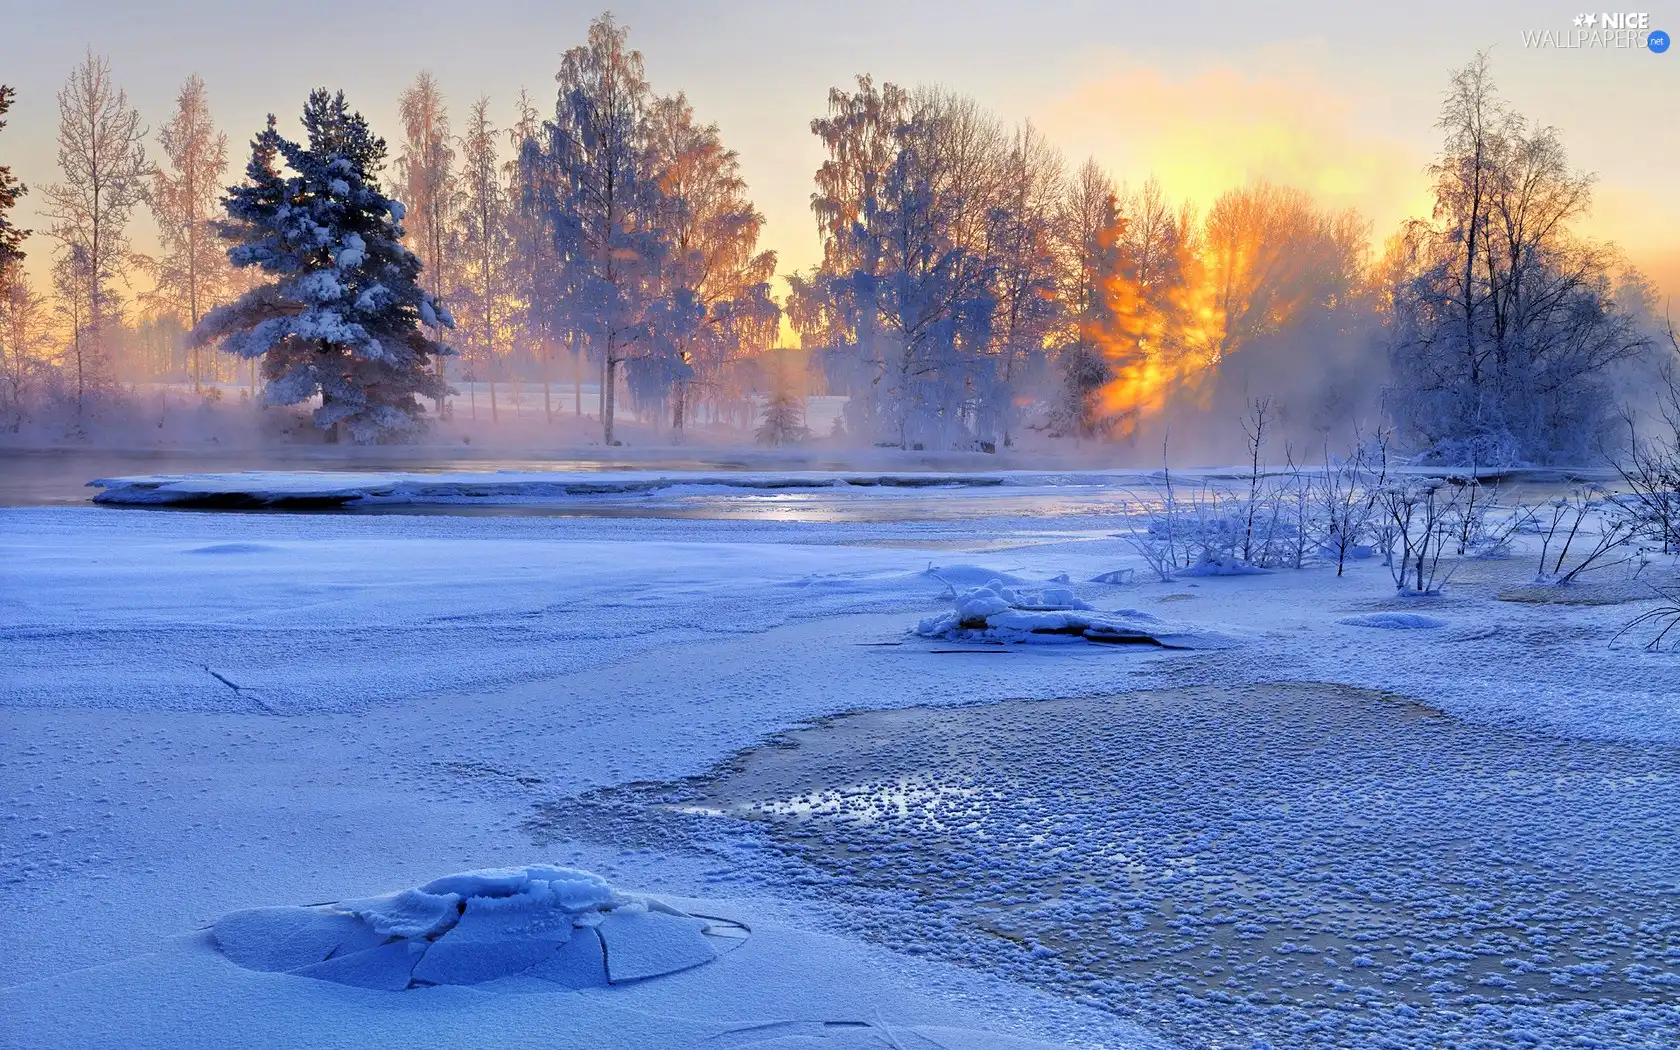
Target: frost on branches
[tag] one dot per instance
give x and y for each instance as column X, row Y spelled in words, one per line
column 342, row 315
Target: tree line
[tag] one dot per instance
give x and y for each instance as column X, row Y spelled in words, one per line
column 973, row 286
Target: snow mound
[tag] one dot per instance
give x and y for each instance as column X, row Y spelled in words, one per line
column 1394, row 621
column 999, row 612
column 1221, row 567
column 560, row 925
column 970, row 575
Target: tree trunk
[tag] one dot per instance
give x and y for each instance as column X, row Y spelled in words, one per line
column 608, row 393
column 577, row 377
column 548, row 362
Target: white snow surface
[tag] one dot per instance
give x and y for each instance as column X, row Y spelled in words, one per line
column 213, row 712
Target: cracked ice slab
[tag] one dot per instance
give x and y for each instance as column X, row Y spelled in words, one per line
column 476, row 927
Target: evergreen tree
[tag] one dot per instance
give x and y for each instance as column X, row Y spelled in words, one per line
column 784, row 419
column 10, row 190
column 342, row 316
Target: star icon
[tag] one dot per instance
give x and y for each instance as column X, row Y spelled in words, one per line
column 1591, row 20
column 1580, row 20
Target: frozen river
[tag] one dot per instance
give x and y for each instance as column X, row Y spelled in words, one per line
column 1322, row 866
column 1319, row 835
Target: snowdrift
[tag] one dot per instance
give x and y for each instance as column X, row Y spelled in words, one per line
column 563, row 926
column 1000, row 613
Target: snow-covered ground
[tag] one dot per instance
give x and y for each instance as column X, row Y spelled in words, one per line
column 208, row 712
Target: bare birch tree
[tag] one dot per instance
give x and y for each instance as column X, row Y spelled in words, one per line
column 193, row 272
column 102, row 159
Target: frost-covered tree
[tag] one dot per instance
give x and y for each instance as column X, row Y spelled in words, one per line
column 597, row 188
column 832, row 308
column 1090, row 231
column 533, row 265
column 102, row 161
column 425, row 167
column 20, row 308
column 72, row 287
column 11, row 238
column 1505, row 323
column 714, row 284
column 482, row 245
column 784, row 419
column 904, row 304
column 1022, row 238
column 192, row 274
column 1268, row 258
column 343, row 312
column 23, row 329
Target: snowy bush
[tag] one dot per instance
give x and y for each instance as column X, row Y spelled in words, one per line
column 1597, row 528
column 1420, row 520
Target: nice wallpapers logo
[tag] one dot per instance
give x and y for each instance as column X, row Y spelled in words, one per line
column 1609, row 30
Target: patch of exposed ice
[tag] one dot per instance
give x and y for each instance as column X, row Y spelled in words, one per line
column 1394, row 621
column 233, row 548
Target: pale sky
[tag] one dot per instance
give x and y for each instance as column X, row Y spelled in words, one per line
column 1318, row 94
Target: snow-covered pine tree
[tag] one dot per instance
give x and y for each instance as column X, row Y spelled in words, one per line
column 342, row 317
column 784, row 419
column 10, row 190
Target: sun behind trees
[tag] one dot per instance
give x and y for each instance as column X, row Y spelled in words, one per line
column 975, row 291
